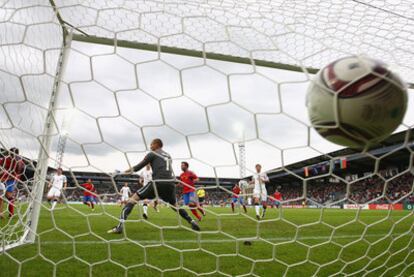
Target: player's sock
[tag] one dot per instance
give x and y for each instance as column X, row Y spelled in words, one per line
column 232, row 207
column 194, row 211
column 257, row 208
column 201, row 210
column 145, row 207
column 183, row 213
column 264, row 210
column 92, row 206
column 124, row 214
column 155, row 205
column 54, row 204
column 245, row 209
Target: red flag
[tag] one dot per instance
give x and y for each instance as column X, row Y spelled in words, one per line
column 343, row 163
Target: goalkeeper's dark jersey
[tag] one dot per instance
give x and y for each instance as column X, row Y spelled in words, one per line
column 160, row 162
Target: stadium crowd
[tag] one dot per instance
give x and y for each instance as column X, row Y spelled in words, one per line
column 322, row 192
column 362, row 191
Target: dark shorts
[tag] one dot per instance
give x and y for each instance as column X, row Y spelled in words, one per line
column 201, row 200
column 165, row 190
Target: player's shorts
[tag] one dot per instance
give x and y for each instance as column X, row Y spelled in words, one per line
column 261, row 194
column 201, row 200
column 237, row 199
column 189, row 197
column 54, row 192
column 276, row 203
column 10, row 184
column 88, row 198
column 165, row 190
column 124, row 198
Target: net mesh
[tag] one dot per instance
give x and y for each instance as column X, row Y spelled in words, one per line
column 204, row 76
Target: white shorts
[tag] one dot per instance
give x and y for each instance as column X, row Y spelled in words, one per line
column 2, row 189
column 54, row 192
column 260, row 193
column 124, row 198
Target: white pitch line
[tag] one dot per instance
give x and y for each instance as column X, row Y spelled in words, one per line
column 212, row 240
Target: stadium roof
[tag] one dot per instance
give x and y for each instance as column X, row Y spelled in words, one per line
column 395, row 151
column 398, row 145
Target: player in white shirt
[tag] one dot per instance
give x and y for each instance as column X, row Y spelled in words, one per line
column 125, row 194
column 55, row 186
column 146, row 175
column 144, row 178
column 259, row 180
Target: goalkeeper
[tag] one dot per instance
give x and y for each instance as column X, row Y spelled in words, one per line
column 162, row 186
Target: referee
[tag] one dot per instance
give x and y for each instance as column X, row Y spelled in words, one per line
column 201, row 194
column 162, row 186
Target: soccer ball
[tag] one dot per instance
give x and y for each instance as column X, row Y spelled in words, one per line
column 356, row 101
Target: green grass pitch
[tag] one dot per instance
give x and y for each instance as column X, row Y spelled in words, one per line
column 292, row 242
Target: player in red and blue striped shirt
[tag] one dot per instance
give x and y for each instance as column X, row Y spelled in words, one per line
column 188, row 180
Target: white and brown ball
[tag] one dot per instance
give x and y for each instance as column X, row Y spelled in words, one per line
column 356, row 101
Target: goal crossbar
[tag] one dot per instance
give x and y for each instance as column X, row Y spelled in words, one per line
column 190, row 53
column 194, row 53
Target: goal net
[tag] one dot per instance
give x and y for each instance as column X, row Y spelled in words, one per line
column 86, row 86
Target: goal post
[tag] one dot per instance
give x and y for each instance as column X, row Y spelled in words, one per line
column 41, row 171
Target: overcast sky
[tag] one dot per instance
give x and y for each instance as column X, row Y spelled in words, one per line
column 120, row 100
column 200, row 117
column 112, row 116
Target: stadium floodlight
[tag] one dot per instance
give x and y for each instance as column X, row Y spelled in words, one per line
column 240, row 130
column 64, row 132
column 68, row 116
column 205, row 76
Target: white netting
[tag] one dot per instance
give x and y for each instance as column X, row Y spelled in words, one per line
column 235, row 72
